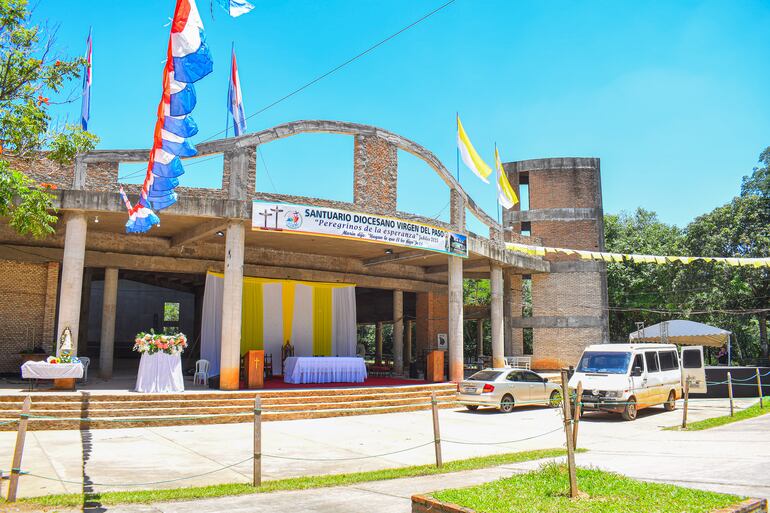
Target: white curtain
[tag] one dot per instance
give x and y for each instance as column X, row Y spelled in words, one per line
column 344, row 338
column 211, row 324
column 302, row 324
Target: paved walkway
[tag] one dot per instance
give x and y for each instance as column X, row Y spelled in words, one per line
column 727, row 458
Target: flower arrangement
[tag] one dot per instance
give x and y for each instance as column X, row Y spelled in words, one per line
column 152, row 343
column 63, row 358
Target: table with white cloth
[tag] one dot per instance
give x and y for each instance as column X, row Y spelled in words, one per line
column 159, row 373
column 45, row 370
column 324, row 369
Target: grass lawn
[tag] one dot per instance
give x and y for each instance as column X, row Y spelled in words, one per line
column 296, row 483
column 749, row 413
column 547, row 491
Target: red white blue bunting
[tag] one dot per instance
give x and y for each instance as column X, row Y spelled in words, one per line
column 188, row 61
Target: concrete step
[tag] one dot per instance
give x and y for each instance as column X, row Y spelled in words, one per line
column 80, row 411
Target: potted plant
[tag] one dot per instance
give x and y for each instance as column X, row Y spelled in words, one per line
column 32, row 354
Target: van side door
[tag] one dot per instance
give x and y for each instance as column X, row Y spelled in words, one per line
column 654, row 380
column 693, row 369
column 639, row 381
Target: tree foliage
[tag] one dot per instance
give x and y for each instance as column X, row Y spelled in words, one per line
column 733, row 298
column 30, row 74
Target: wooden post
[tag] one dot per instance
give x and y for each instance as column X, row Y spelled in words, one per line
column 759, row 390
column 257, row 478
column 573, row 488
column 21, row 434
column 578, row 409
column 730, row 393
column 436, row 430
column 686, row 401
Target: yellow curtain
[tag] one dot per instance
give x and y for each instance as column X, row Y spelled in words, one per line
column 322, row 321
column 252, row 331
column 287, row 295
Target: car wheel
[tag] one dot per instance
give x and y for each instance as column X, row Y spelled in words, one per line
column 555, row 400
column 506, row 405
column 670, row 405
column 472, row 407
column 629, row 412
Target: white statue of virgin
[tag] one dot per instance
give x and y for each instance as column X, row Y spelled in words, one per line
column 65, row 343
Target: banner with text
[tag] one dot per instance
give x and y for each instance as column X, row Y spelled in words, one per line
column 332, row 222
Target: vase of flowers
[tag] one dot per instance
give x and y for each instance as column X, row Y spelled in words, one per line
column 152, row 343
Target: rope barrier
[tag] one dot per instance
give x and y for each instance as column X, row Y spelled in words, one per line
column 560, row 428
column 276, row 456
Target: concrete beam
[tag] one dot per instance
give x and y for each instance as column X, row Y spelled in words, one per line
column 198, row 232
column 556, row 214
column 567, row 321
column 397, row 257
column 467, row 266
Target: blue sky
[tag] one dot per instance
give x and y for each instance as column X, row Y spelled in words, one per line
column 671, row 95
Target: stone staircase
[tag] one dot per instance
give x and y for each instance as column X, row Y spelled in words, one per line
column 110, row 411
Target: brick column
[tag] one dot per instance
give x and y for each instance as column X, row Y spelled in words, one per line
column 72, row 275
column 408, row 346
column 455, row 318
column 49, row 314
column 109, row 307
column 498, row 349
column 398, row 332
column 232, row 306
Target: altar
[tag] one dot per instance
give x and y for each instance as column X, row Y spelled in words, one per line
column 324, row 369
column 160, row 373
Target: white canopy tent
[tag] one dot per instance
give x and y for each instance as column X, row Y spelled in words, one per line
column 683, row 332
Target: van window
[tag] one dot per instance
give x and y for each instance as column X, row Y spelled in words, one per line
column 638, row 362
column 604, row 362
column 691, row 359
column 668, row 360
column 652, row 361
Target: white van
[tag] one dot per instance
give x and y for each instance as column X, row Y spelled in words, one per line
column 625, row 378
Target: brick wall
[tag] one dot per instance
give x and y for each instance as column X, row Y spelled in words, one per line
column 375, row 173
column 555, row 348
column 27, row 309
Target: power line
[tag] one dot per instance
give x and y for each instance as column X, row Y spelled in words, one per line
column 340, row 66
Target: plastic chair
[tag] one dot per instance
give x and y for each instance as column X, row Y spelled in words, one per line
column 85, row 361
column 201, row 375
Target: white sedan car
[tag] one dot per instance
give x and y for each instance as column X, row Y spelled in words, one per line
column 506, row 388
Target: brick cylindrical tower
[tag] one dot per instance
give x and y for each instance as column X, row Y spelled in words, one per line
column 569, row 304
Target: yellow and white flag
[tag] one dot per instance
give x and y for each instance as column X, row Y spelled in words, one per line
column 469, row 155
column 505, row 193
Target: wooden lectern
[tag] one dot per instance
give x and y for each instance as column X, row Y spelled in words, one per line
column 64, row 384
column 255, row 369
column 435, row 369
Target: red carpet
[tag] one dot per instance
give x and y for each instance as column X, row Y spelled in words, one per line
column 276, row 383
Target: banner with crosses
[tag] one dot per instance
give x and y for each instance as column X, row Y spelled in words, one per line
column 331, row 222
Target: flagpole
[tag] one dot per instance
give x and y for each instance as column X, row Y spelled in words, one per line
column 457, row 133
column 497, row 188
column 229, row 79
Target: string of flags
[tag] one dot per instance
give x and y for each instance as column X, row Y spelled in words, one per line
column 637, row 259
column 188, row 60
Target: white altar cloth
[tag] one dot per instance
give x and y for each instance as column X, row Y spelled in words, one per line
column 324, row 369
column 160, row 372
column 44, row 370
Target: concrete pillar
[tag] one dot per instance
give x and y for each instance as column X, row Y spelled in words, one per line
column 455, row 318
column 109, row 307
column 398, row 332
column 232, row 306
column 498, row 331
column 480, row 338
column 72, row 275
column 378, row 343
column 408, row 346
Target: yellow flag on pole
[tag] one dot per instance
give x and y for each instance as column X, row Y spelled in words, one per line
column 505, row 193
column 469, row 155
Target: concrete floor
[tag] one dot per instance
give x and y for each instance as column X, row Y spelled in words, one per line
column 139, row 456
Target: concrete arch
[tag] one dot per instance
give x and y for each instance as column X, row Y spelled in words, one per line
column 352, row 129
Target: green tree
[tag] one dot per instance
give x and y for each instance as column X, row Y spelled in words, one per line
column 635, row 287
column 31, row 72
